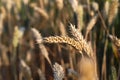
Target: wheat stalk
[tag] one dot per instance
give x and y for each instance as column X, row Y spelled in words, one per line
column 41, row 11
column 25, row 70
column 37, row 36
column 80, row 13
column 91, row 24
column 106, row 9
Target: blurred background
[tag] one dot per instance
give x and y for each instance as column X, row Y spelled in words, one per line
column 21, row 59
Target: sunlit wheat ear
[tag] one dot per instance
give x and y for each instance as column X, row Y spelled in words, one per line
column 63, row 39
column 38, row 39
column 79, row 38
column 113, row 10
column 115, row 41
column 75, row 33
column 58, row 72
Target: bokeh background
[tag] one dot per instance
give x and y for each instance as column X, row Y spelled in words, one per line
column 93, row 18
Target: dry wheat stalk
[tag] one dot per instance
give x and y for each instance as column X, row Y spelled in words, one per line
column 37, row 36
column 2, row 17
column 3, row 55
column 91, row 25
column 113, row 10
column 62, row 28
column 41, row 11
column 106, row 9
column 80, row 12
column 25, row 70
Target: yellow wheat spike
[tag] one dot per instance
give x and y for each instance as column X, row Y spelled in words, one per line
column 79, row 37
column 62, row 39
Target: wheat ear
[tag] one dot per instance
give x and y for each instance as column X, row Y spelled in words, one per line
column 79, row 37
column 115, row 40
column 64, row 39
column 37, row 36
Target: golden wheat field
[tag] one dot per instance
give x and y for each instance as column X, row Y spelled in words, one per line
column 59, row 39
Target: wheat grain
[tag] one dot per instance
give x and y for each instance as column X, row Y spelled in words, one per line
column 63, row 39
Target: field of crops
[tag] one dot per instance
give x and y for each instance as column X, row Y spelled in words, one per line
column 59, row 40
